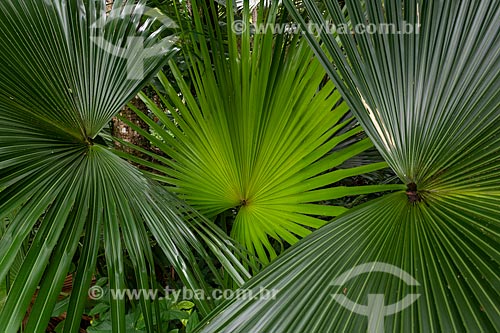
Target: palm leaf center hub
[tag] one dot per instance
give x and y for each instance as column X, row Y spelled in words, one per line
column 412, row 193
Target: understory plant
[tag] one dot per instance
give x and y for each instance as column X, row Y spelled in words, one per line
column 258, row 135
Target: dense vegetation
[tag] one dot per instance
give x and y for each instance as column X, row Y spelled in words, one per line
column 250, row 143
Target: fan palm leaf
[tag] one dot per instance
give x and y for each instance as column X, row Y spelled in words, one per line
column 260, row 136
column 58, row 89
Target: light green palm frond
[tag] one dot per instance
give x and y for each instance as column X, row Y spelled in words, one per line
column 261, row 136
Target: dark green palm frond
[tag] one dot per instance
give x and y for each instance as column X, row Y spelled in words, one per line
column 59, row 87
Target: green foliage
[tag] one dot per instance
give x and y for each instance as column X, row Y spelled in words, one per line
column 431, row 104
column 258, row 134
column 173, row 316
column 58, row 89
column 16, row 265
